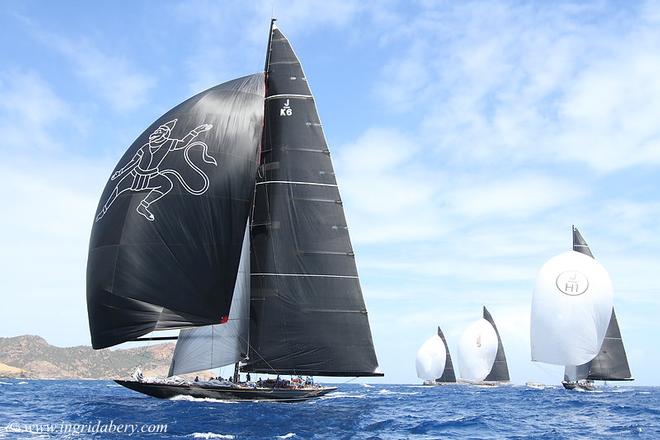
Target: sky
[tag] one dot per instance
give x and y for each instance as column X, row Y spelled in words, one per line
column 467, row 138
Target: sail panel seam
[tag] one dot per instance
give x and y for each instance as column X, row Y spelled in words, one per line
column 290, row 182
column 289, row 95
column 269, row 274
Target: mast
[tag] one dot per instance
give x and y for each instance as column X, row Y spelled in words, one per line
column 268, row 48
column 307, row 311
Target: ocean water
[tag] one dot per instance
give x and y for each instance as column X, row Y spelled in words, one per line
column 101, row 409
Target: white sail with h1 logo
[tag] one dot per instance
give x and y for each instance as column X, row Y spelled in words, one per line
column 571, row 309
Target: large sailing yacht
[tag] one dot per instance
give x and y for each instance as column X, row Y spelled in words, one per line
column 224, row 220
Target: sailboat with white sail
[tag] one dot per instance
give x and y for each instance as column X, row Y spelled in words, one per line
column 573, row 322
column 433, row 361
column 224, row 220
column 481, row 357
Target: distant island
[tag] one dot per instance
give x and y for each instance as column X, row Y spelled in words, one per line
column 30, row 356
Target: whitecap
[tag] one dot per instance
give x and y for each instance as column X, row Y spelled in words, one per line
column 620, row 390
column 22, row 383
column 208, row 435
column 289, row 435
column 201, row 399
column 389, row 392
column 366, row 385
column 5, row 383
column 341, row 395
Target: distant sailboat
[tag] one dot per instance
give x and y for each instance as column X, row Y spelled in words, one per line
column 573, row 321
column 224, row 220
column 611, row 363
column 481, row 355
column 433, row 362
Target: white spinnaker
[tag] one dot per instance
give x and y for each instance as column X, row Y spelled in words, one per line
column 213, row 346
column 477, row 349
column 431, row 357
column 571, row 309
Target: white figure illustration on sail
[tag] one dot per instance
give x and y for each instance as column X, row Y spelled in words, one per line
column 143, row 171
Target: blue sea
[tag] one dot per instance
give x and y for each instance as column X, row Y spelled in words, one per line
column 102, row 409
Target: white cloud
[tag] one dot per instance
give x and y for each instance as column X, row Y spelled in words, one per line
column 29, row 110
column 513, row 197
column 531, row 83
column 247, row 33
column 44, row 230
column 386, row 189
column 112, row 77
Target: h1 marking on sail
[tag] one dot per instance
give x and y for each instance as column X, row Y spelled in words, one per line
column 572, row 283
column 143, row 171
column 286, row 109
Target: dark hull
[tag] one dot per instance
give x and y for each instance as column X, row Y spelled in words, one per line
column 484, row 383
column 167, row 391
column 585, row 385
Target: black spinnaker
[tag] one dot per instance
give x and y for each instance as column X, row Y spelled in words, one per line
column 166, row 241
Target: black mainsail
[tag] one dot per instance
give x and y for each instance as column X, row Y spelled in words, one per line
column 611, row 362
column 448, row 375
column 500, row 370
column 307, row 312
column 580, row 244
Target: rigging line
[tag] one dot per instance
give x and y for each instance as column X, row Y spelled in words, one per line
column 259, row 354
column 348, row 381
column 541, row 367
